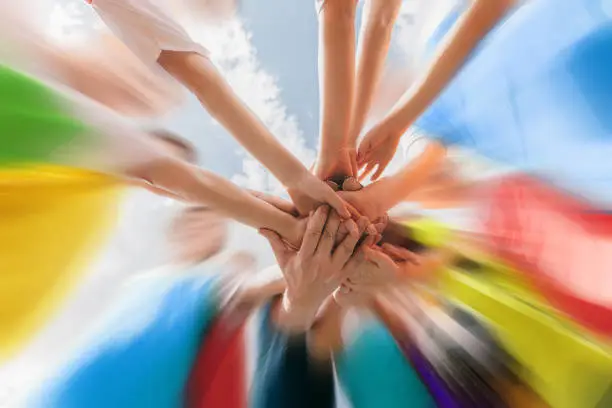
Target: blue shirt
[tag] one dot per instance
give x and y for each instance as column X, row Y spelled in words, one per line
column 535, row 95
column 374, row 373
column 145, row 349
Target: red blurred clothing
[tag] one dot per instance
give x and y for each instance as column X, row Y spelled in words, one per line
column 218, row 377
column 563, row 243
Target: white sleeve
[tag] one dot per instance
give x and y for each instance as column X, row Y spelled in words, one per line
column 145, row 28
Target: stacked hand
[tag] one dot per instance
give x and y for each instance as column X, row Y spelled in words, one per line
column 322, row 263
column 377, row 149
column 331, row 257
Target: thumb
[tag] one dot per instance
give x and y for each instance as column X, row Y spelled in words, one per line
column 367, row 145
column 280, row 249
column 363, row 150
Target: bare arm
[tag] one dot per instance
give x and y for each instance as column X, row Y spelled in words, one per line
column 336, row 82
column 481, row 17
column 325, row 336
column 381, row 196
column 199, row 186
column 203, row 79
column 377, row 26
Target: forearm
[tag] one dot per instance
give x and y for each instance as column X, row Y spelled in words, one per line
column 336, row 73
column 412, row 176
column 481, row 17
column 377, row 26
column 202, row 78
column 325, row 336
column 199, row 186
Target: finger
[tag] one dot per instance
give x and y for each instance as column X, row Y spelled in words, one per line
column 371, row 230
column 337, row 203
column 381, row 260
column 384, row 220
column 328, row 238
column 380, row 227
column 382, row 165
column 353, row 161
column 280, row 249
column 364, row 149
column 345, row 250
column 369, row 168
column 283, row 205
column 370, row 240
column 346, row 228
column 355, row 214
column 355, row 261
column 362, row 224
column 333, row 185
column 401, row 253
column 351, row 184
column 314, row 229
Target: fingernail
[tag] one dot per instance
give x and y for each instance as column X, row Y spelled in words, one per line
column 371, row 230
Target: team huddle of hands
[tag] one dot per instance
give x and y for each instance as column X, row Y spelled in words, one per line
column 341, row 255
column 327, row 241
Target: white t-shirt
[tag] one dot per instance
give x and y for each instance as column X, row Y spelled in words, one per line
column 146, row 27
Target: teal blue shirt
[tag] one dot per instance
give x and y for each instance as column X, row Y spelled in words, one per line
column 374, row 373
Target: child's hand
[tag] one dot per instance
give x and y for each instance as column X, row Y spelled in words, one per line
column 377, row 149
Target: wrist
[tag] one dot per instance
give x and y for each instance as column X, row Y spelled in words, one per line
column 292, row 176
column 386, row 193
column 295, row 233
column 294, row 316
column 397, row 123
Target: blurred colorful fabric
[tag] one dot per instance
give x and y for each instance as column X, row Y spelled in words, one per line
column 546, row 116
column 60, row 159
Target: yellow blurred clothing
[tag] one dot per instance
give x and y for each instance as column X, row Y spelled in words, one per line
column 54, row 220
